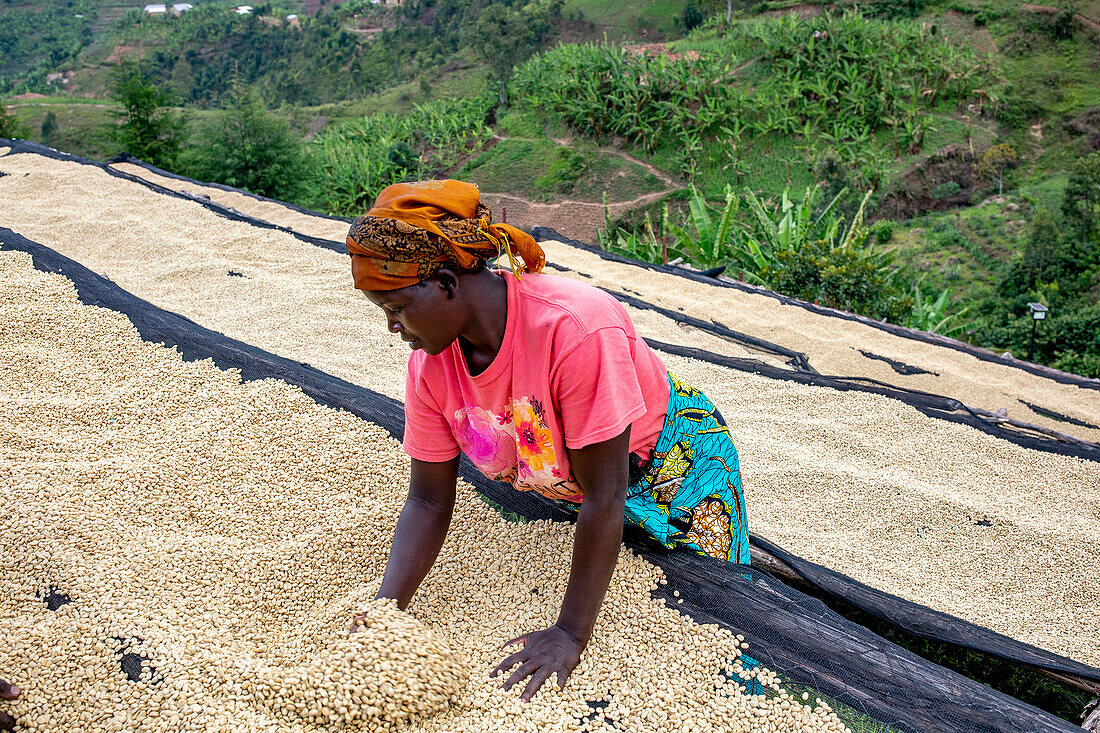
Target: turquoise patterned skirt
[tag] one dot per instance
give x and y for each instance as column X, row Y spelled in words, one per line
column 688, row 493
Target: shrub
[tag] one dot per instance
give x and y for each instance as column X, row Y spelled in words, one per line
column 8, row 126
column 1016, row 112
column 692, row 17
column 149, row 128
column 996, row 161
column 945, row 190
column 250, row 148
column 352, row 161
column 839, row 277
column 884, row 231
column 1081, row 204
column 1087, row 365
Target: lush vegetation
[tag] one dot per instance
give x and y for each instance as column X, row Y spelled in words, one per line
column 313, row 61
column 356, row 49
column 8, row 126
column 800, row 247
column 148, row 127
column 248, row 147
column 354, row 160
column 37, row 39
column 1059, row 267
column 840, row 84
column 505, row 36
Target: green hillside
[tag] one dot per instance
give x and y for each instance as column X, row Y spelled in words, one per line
column 954, row 136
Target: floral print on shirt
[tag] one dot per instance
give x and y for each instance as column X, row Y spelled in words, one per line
column 515, row 444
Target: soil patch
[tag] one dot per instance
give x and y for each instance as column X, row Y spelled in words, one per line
column 927, row 186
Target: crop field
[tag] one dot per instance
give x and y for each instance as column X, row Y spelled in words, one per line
column 984, row 506
column 831, row 82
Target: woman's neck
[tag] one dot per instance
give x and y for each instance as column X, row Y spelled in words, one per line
column 483, row 334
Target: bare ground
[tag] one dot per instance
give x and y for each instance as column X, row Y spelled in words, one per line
column 575, row 219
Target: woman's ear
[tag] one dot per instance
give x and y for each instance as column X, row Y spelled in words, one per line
column 448, row 280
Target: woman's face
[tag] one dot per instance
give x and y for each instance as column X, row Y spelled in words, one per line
column 424, row 315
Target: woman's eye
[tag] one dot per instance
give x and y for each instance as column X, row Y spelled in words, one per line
column 395, row 309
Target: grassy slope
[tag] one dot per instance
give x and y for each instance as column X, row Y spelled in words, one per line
column 647, row 19
column 83, row 127
column 529, row 164
column 960, row 249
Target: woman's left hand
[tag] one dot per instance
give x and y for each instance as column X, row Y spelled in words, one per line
column 543, row 654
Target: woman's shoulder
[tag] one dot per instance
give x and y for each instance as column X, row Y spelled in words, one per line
column 553, row 297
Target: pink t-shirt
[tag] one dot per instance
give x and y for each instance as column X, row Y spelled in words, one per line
column 571, row 372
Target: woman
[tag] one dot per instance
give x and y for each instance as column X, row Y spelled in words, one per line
column 8, row 691
column 543, row 383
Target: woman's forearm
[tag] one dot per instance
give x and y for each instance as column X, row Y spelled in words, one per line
column 419, row 535
column 596, row 544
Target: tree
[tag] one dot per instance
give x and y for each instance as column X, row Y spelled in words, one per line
column 8, row 126
column 49, row 128
column 692, row 17
column 715, row 6
column 1081, row 204
column 148, row 127
column 503, row 37
column 248, row 147
column 996, row 161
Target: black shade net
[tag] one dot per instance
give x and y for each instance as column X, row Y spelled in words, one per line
column 24, row 146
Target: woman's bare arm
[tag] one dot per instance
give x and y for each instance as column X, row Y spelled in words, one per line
column 602, row 470
column 421, row 529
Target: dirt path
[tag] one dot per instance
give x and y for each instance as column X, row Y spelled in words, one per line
column 57, row 104
column 575, row 219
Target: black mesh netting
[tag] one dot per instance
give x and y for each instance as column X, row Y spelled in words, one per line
column 933, row 405
column 25, row 146
column 788, row 632
column 1021, row 433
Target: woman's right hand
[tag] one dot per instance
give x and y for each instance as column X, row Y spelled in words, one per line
column 7, row 692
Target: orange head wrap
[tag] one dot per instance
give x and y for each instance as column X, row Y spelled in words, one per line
column 415, row 229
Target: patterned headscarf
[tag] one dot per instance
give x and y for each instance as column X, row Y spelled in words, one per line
column 415, row 229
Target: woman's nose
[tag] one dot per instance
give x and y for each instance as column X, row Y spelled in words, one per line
column 393, row 325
